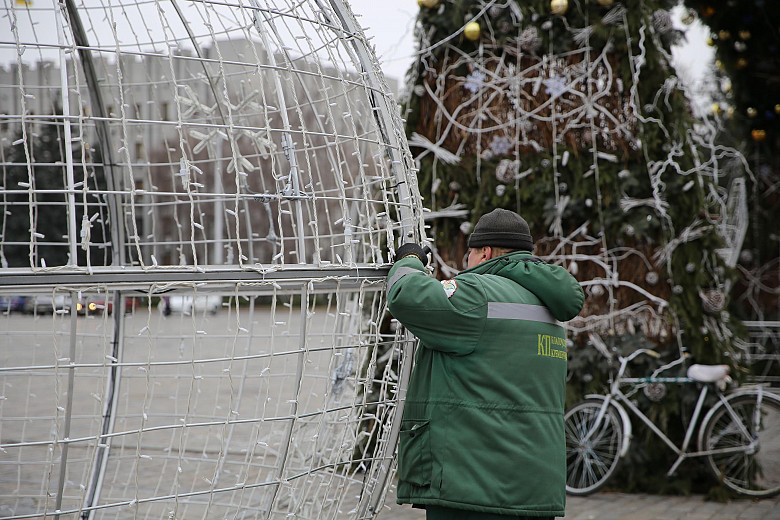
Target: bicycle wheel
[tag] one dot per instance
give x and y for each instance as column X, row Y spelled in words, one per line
column 592, row 454
column 750, row 439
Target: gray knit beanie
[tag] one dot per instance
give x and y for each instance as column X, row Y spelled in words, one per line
column 502, row 228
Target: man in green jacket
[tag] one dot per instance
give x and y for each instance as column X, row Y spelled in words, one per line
column 482, row 433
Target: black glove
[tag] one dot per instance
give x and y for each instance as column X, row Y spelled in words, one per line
column 410, row 248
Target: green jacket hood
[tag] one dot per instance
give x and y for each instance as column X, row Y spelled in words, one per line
column 552, row 284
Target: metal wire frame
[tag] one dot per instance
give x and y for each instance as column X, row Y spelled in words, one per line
column 316, row 372
column 280, row 167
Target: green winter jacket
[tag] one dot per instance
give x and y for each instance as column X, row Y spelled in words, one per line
column 482, row 428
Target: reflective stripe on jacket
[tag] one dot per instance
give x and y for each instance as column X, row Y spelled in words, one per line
column 482, row 428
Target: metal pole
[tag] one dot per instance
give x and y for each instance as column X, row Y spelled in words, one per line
column 69, row 406
column 109, row 413
column 113, row 180
column 288, row 145
column 72, row 257
column 218, row 252
column 67, row 149
column 294, row 404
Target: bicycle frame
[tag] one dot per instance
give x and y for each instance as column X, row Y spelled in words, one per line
column 618, row 399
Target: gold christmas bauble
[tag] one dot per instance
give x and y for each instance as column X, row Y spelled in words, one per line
column 758, row 135
column 730, row 112
column 707, row 11
column 745, row 35
column 724, row 35
column 777, row 109
column 472, row 31
column 606, row 3
column 742, row 63
column 429, row 3
column 559, row 6
column 710, row 42
column 715, row 109
column 751, row 112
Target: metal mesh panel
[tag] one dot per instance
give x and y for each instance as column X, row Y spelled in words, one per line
column 200, row 199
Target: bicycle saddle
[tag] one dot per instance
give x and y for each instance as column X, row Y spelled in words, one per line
column 708, row 373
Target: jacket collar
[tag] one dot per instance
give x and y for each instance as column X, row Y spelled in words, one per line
column 558, row 290
column 496, row 264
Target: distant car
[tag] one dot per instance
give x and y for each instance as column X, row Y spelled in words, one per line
column 9, row 304
column 188, row 305
column 45, row 304
column 99, row 303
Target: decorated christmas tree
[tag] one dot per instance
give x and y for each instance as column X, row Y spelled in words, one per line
column 746, row 37
column 570, row 113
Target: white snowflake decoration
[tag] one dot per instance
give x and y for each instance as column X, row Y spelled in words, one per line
column 474, row 81
column 500, row 145
column 555, row 86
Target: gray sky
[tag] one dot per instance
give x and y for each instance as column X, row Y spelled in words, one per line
column 391, row 24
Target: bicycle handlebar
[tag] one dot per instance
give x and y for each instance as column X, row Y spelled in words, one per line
column 651, row 353
column 625, row 360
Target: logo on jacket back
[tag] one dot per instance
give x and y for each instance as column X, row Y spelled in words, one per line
column 449, row 286
column 552, row 346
